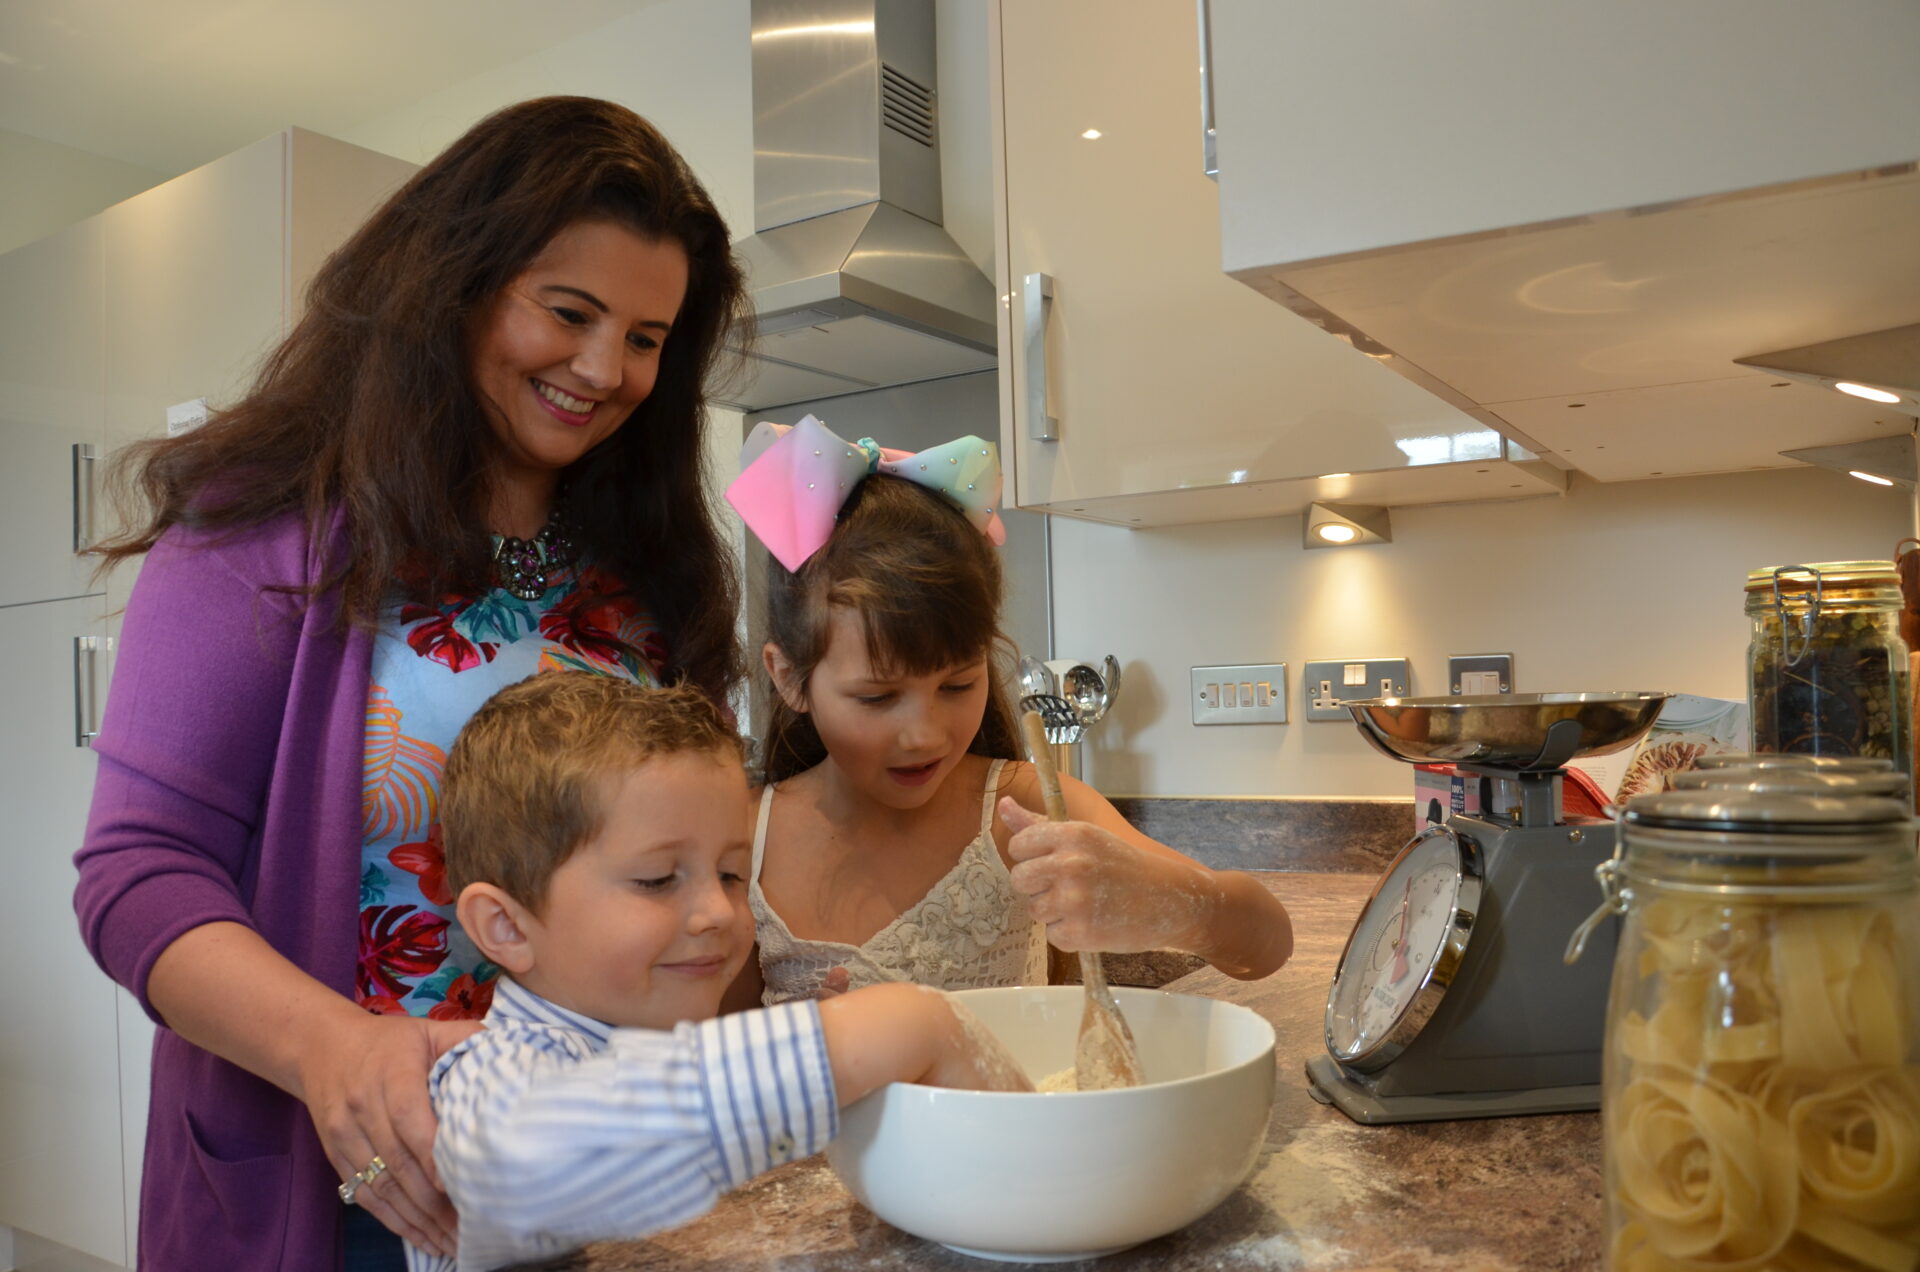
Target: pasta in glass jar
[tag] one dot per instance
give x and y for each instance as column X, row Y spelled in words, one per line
column 1761, row 1094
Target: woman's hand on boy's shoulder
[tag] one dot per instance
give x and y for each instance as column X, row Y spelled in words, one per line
column 368, row 1097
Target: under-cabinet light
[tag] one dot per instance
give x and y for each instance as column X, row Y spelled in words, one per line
column 1876, row 480
column 1329, row 525
column 1866, row 391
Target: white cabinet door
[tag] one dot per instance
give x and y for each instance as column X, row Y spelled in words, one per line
column 207, row 271
column 1348, row 127
column 51, row 301
column 62, row 1133
column 1181, row 394
column 196, row 280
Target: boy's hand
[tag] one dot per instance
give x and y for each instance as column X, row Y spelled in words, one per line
column 1095, row 891
column 834, row 983
column 974, row 1059
column 909, row 1033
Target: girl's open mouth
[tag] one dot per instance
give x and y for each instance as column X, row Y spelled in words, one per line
column 916, row 775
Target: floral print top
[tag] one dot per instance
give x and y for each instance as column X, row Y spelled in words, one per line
column 432, row 668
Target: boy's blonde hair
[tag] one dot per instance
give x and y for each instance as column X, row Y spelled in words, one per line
column 520, row 792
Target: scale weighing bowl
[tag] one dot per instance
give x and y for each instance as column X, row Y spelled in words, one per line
column 1507, row 730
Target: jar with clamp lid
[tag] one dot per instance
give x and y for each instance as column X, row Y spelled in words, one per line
column 1828, row 671
column 1761, row 1091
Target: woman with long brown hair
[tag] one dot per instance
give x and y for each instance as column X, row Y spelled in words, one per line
column 477, row 455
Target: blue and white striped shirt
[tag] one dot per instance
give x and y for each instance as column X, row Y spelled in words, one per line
column 557, row 1130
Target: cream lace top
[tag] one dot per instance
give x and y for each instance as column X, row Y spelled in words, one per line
column 971, row 930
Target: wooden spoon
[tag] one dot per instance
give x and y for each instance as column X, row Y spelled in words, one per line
column 1105, row 1055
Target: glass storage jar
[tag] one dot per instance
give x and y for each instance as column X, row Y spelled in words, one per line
column 1795, row 774
column 1828, row 671
column 1761, row 1089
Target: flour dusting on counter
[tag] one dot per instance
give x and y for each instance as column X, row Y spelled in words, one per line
column 1316, row 1172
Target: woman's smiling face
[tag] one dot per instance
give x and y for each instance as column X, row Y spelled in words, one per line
column 572, row 345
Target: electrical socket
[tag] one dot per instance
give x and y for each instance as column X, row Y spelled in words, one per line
column 1253, row 694
column 1330, row 683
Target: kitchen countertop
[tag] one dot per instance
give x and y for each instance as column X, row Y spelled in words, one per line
column 1503, row 1194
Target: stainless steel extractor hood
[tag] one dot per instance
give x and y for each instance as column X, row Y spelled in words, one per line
column 855, row 283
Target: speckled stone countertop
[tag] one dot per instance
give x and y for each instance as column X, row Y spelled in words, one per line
column 1503, row 1195
column 1285, row 833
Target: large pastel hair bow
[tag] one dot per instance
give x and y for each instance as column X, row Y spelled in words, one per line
column 793, row 480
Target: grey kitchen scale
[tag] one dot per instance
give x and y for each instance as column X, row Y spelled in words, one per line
column 1451, row 999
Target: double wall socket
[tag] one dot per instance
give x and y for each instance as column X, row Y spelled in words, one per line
column 1255, row 694
column 1333, row 682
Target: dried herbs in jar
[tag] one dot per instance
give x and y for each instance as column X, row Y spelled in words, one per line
column 1829, row 671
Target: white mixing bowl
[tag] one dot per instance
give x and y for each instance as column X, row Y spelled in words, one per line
column 1049, row 1177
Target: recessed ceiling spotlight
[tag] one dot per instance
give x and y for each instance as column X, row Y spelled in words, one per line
column 1092, row 134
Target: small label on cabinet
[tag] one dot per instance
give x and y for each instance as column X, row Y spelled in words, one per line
column 185, row 416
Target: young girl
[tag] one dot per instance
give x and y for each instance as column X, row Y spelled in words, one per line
column 894, row 838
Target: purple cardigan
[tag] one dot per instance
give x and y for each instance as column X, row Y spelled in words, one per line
column 229, row 788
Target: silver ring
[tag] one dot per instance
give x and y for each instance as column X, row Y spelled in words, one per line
column 349, row 1190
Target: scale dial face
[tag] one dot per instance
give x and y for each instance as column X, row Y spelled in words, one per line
column 1404, row 949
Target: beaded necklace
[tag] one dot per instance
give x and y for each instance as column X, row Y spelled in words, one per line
column 523, row 566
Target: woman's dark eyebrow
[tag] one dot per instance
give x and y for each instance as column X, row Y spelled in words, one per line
column 601, row 305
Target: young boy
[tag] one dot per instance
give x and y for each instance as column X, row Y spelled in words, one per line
column 597, row 839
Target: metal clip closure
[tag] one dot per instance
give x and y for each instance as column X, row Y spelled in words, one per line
column 1806, row 620
column 1617, row 897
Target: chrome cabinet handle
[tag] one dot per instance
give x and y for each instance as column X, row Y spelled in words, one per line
column 86, row 722
column 1037, row 309
column 1209, row 156
column 82, row 497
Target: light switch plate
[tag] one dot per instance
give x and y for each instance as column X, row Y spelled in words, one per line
column 1252, row 694
column 1330, row 683
column 1479, row 674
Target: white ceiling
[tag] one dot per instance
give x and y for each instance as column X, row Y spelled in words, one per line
column 171, row 84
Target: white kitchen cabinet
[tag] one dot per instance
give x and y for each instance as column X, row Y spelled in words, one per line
column 1361, row 125
column 1586, row 225
column 170, row 296
column 52, row 303
column 207, row 271
column 1180, row 394
column 62, row 1134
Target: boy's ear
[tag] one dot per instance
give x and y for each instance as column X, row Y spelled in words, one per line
column 498, row 926
column 781, row 672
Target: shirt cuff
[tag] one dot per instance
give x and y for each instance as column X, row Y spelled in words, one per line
column 770, row 1090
